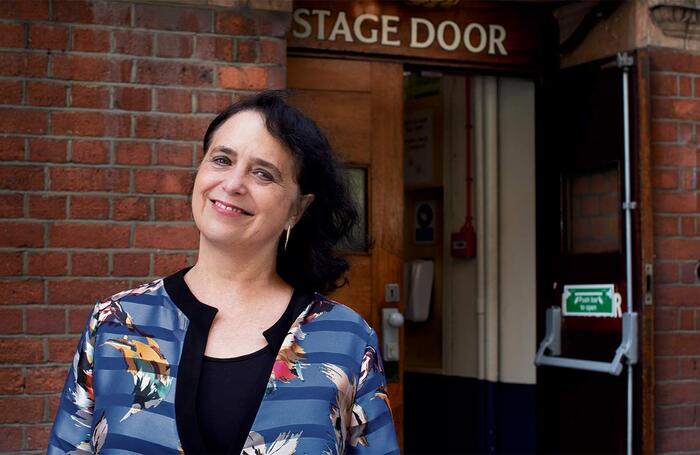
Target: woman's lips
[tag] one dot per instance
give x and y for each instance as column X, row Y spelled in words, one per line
column 228, row 209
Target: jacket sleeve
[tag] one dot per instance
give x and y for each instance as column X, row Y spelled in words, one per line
column 372, row 428
column 72, row 427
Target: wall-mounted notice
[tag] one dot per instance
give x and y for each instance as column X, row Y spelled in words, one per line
column 591, row 300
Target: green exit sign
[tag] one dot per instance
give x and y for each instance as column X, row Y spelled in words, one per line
column 591, row 300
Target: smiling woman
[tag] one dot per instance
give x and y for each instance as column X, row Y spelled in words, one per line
column 240, row 353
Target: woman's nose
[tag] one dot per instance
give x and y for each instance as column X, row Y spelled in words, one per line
column 234, row 182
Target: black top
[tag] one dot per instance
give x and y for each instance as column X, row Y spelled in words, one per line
column 230, row 391
column 218, row 399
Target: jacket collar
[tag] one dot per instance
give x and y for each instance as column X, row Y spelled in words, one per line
column 201, row 317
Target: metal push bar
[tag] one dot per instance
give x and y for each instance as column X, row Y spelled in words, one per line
column 552, row 343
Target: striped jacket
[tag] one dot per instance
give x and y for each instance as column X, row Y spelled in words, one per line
column 133, row 381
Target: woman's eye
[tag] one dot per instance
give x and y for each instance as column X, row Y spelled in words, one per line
column 263, row 175
column 220, row 160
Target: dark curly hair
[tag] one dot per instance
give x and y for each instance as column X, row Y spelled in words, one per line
column 310, row 262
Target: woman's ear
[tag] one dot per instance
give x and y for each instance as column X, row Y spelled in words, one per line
column 306, row 200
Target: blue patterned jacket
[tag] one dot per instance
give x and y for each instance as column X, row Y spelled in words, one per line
column 132, row 385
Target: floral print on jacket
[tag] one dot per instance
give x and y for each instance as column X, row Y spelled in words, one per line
column 326, row 392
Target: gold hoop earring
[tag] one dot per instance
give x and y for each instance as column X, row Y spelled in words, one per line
column 286, row 240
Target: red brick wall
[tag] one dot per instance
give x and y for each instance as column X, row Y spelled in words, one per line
column 675, row 90
column 102, row 109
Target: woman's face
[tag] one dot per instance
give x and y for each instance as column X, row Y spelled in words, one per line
column 245, row 193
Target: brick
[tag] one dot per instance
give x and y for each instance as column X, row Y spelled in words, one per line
column 173, row 100
column 11, row 205
column 665, row 60
column 131, row 264
column 80, row 292
column 21, row 350
column 171, row 127
column 47, row 263
column 235, row 23
column 23, row 121
column 686, row 319
column 22, row 291
column 682, row 109
column 91, row 124
column 38, row 435
column 174, row 154
column 94, row 152
column 21, row 234
column 274, row 24
column 666, row 368
column 678, row 248
column 273, row 51
column 11, row 35
column 173, row 18
column 173, row 45
column 664, row 84
column 22, row 178
column 93, row 12
column 162, row 182
column 677, row 392
column 48, row 37
column 666, row 272
column 685, row 133
column 89, row 264
column 24, row 9
column 213, row 102
column 685, row 86
column 48, row 150
column 10, row 92
column 76, row 319
column 665, row 225
column 46, row 379
column 675, row 202
column 10, row 438
column 21, row 409
column 689, row 274
column 22, row 64
column 89, row 207
column 88, row 68
column 47, row 207
column 688, row 368
column 63, row 349
column 90, row 40
column 678, row 295
column 10, row 264
column 678, row 440
column 173, row 209
column 174, row 73
column 11, row 380
column 10, row 322
column 247, row 50
column 214, row 48
column 663, row 131
column 46, row 320
column 166, row 236
column 665, row 179
column 77, row 235
column 165, row 264
column 133, row 43
column 89, row 179
column 675, row 416
column 132, row 153
column 687, row 226
column 251, row 77
column 89, row 96
column 11, row 148
column 673, row 155
column 132, row 99
column 130, row 208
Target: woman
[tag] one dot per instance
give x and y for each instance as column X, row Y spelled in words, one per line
column 267, row 364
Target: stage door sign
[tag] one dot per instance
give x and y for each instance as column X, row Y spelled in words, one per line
column 591, row 300
column 491, row 34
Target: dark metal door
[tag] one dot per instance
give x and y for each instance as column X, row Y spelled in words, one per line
column 581, row 240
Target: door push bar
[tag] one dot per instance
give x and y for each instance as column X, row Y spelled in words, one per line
column 552, row 342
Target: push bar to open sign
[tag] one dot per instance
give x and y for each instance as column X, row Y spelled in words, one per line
column 552, row 343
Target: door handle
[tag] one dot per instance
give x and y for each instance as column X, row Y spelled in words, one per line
column 392, row 320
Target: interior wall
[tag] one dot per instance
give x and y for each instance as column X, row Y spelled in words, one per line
column 517, row 286
column 459, row 306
